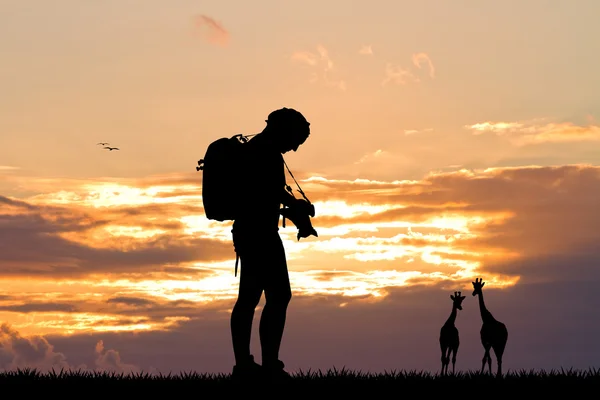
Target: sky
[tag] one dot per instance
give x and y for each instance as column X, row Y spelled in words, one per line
column 449, row 141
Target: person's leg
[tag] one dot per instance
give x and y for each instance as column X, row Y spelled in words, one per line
column 242, row 315
column 278, row 295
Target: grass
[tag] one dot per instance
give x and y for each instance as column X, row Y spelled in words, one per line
column 339, row 381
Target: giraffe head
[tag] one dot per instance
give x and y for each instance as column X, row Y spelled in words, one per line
column 477, row 285
column 457, row 299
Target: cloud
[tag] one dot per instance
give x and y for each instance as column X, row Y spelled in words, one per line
column 388, row 255
column 402, row 76
column 82, row 238
column 35, row 351
column 524, row 133
column 131, row 301
column 398, row 75
column 90, row 274
column 366, row 50
column 408, row 132
column 422, row 58
column 212, row 30
column 322, row 63
column 398, row 331
column 110, row 360
column 522, row 211
column 17, row 351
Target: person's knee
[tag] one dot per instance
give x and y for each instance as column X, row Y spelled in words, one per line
column 247, row 302
column 286, row 298
column 279, row 299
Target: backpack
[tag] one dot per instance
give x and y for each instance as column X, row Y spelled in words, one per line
column 221, row 177
column 222, row 167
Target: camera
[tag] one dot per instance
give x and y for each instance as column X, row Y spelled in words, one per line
column 299, row 213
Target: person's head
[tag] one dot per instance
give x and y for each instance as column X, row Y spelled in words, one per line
column 287, row 128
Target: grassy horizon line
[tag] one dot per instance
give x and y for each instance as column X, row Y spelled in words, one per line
column 332, row 373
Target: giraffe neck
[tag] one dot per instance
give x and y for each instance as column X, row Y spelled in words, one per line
column 486, row 316
column 452, row 317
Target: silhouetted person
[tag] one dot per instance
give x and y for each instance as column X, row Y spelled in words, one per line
column 493, row 332
column 258, row 244
column 449, row 334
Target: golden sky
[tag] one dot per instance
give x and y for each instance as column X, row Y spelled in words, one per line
column 449, row 140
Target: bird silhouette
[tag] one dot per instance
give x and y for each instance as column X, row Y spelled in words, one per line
column 111, row 148
column 102, row 144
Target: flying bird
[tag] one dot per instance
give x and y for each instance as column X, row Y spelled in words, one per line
column 111, row 148
column 102, row 144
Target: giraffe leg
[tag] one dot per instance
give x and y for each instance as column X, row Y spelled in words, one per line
column 454, row 359
column 499, row 351
column 486, row 356
column 444, row 360
column 490, row 363
column 499, row 360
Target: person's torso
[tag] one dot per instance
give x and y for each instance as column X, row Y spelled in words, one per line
column 263, row 183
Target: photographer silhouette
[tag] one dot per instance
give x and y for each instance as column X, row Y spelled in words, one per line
column 257, row 243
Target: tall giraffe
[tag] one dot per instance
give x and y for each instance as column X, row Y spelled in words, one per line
column 493, row 332
column 449, row 334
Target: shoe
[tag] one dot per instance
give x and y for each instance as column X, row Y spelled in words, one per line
column 247, row 371
column 276, row 372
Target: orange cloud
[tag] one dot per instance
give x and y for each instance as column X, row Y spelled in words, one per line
column 139, row 255
column 212, row 30
column 321, row 61
column 408, row 132
column 401, row 76
column 422, row 58
column 528, row 133
column 398, row 75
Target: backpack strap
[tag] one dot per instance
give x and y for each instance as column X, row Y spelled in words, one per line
column 237, row 259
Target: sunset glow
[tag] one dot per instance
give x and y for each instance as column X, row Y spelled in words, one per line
column 448, row 141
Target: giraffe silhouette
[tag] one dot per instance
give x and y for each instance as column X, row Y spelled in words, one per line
column 493, row 332
column 449, row 334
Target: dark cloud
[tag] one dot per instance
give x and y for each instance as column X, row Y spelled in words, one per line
column 17, row 351
column 110, row 360
column 32, row 244
column 550, row 326
column 157, row 211
column 545, row 234
column 330, row 275
column 40, row 307
column 15, row 203
column 556, row 265
column 131, row 301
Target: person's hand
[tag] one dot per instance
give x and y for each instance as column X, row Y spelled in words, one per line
column 302, row 206
column 301, row 219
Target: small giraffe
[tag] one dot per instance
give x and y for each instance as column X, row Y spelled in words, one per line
column 449, row 334
column 493, row 332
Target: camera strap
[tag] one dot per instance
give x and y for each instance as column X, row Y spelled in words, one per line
column 288, row 188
